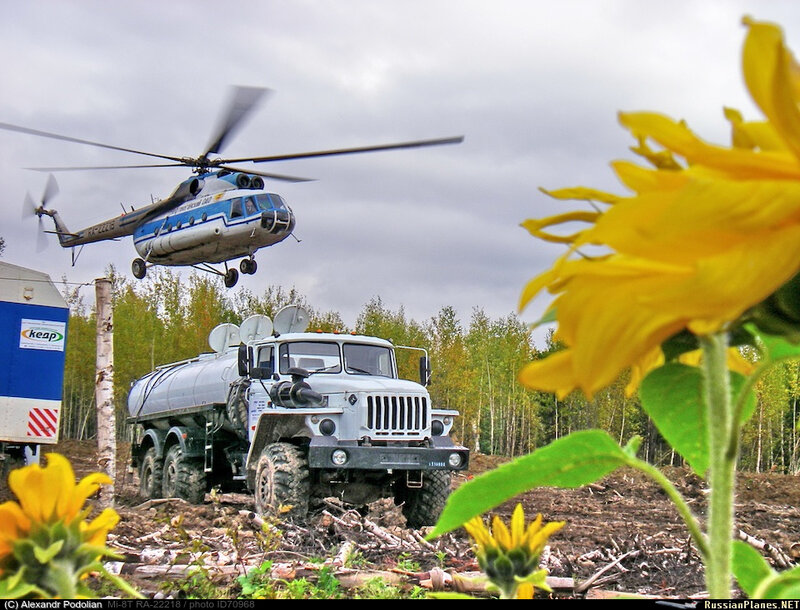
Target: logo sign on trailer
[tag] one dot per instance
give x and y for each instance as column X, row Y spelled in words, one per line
column 42, row 334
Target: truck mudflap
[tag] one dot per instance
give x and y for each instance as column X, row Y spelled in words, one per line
column 328, row 453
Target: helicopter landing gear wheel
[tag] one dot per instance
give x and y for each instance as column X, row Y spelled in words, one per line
column 231, row 277
column 139, row 268
column 248, row 266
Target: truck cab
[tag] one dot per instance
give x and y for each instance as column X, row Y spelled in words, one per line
column 362, row 431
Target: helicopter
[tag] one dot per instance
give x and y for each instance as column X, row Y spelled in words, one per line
column 219, row 214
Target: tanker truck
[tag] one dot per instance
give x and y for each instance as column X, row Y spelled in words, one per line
column 294, row 417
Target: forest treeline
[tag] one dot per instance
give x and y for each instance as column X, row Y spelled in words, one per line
column 167, row 318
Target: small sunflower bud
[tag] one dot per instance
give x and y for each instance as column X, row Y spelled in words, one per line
column 509, row 556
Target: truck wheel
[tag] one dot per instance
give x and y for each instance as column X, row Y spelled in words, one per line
column 183, row 478
column 282, row 481
column 237, row 407
column 151, row 473
column 423, row 505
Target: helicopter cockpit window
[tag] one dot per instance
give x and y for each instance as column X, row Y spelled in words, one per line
column 236, row 208
column 277, row 201
column 263, row 202
column 250, row 206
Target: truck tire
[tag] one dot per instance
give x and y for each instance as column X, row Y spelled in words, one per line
column 237, row 407
column 151, row 474
column 423, row 505
column 183, row 478
column 283, row 481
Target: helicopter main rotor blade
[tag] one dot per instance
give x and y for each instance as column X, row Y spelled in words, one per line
column 82, row 167
column 283, row 177
column 56, row 136
column 243, row 101
column 350, row 151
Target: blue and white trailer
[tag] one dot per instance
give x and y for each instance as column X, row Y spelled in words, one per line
column 33, row 333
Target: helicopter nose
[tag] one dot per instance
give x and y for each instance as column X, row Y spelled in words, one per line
column 277, row 221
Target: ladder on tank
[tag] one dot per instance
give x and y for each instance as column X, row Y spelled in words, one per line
column 208, row 449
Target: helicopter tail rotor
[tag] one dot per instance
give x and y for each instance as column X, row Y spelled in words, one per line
column 28, row 207
column 31, row 208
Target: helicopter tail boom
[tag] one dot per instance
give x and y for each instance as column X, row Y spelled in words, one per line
column 109, row 229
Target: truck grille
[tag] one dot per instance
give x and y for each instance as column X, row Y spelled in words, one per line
column 397, row 415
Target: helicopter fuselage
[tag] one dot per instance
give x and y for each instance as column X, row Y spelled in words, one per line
column 215, row 228
column 211, row 218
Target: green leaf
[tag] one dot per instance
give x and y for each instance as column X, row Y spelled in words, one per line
column 574, row 460
column 549, row 316
column 537, row 578
column 45, row 555
column 749, row 567
column 758, row 580
column 784, row 585
column 631, row 448
column 19, row 590
column 448, row 595
column 777, row 347
column 737, row 382
column 672, row 395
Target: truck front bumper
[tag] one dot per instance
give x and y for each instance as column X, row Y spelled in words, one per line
column 327, row 452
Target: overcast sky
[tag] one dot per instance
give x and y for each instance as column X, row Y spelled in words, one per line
column 533, row 86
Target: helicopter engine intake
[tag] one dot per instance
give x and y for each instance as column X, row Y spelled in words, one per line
column 188, row 188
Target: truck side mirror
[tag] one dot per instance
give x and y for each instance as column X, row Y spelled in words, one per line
column 424, row 371
column 244, row 360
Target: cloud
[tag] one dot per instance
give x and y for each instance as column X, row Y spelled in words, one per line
column 534, row 87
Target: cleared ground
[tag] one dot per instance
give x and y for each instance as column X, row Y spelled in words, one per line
column 623, row 516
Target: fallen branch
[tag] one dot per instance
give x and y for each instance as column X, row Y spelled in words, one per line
column 156, row 501
column 585, row 585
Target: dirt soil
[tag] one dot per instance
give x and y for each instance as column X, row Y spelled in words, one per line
column 624, row 515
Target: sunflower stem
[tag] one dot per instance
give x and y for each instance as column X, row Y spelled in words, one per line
column 722, row 428
column 680, row 504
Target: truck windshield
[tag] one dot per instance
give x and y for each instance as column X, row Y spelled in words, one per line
column 313, row 356
column 360, row 359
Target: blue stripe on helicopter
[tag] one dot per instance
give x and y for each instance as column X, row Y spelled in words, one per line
column 194, row 217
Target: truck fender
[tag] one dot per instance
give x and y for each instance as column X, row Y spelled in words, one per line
column 191, row 440
column 271, row 428
column 152, row 437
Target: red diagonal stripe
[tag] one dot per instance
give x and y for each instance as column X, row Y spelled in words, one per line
column 39, row 422
column 50, row 416
column 36, row 423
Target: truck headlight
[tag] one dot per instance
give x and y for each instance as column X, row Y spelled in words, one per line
column 339, row 457
column 437, row 428
column 454, row 460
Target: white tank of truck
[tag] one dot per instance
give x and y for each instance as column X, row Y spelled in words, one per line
column 198, row 382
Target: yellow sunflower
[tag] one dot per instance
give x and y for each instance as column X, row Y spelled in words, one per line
column 509, row 556
column 707, row 234
column 46, row 545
